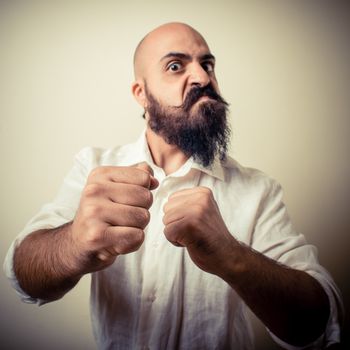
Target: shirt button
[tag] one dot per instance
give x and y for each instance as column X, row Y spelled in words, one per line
column 152, row 298
column 155, row 244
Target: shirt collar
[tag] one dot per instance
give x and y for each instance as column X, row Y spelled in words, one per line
column 216, row 169
column 139, row 152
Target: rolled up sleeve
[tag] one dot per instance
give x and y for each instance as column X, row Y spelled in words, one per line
column 60, row 211
column 275, row 237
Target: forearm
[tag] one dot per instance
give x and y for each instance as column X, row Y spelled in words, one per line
column 45, row 263
column 291, row 303
column 111, row 217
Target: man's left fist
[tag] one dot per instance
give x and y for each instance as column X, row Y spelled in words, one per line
column 192, row 219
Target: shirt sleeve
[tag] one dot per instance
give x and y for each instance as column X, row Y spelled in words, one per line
column 60, row 211
column 275, row 237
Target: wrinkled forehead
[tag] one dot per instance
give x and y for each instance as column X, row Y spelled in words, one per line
column 161, row 42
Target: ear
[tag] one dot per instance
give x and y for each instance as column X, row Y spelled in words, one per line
column 138, row 90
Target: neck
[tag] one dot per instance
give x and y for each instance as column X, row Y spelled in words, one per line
column 168, row 157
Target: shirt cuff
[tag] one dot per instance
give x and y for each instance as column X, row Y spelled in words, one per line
column 331, row 334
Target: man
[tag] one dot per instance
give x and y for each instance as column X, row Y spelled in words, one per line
column 179, row 237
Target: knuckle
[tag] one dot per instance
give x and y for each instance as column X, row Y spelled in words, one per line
column 198, row 210
column 147, row 216
column 171, row 196
column 145, row 197
column 92, row 211
column 92, row 190
column 144, row 178
column 93, row 236
column 103, row 171
column 170, row 235
column 134, row 242
column 95, row 172
column 165, row 207
column 144, row 217
column 145, row 167
column 206, row 198
column 167, row 232
column 149, row 198
column 198, row 214
column 206, row 190
column 139, row 236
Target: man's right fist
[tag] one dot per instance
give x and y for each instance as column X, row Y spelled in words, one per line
column 112, row 214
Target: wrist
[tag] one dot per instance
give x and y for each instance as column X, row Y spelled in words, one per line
column 236, row 262
column 70, row 255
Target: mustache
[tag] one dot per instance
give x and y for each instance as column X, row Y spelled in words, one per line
column 197, row 92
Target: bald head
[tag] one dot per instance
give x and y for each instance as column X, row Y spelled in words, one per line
column 167, row 36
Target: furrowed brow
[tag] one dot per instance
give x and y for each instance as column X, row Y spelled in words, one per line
column 207, row 57
column 184, row 56
column 178, row 55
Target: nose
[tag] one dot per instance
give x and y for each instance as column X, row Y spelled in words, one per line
column 198, row 76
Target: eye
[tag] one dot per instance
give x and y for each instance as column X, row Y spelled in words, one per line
column 208, row 67
column 175, row 66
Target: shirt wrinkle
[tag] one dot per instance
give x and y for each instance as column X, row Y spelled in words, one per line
column 156, row 297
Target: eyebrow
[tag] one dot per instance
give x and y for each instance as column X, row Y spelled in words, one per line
column 184, row 56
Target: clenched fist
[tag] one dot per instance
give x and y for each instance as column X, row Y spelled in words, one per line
column 112, row 214
column 192, row 219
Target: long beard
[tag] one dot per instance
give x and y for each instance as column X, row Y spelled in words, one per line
column 201, row 132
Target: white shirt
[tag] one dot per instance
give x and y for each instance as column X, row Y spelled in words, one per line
column 157, row 298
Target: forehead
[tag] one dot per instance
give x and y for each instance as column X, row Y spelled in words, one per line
column 173, row 39
column 179, row 40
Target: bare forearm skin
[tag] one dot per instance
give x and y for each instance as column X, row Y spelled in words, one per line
column 110, row 220
column 44, row 263
column 291, row 303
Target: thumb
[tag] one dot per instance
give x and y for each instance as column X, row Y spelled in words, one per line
column 145, row 167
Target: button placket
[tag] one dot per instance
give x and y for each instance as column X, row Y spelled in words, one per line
column 150, row 261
